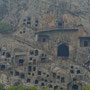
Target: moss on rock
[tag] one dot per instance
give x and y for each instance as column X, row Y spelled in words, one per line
column 5, row 28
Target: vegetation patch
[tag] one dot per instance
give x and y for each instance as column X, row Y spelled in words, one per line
column 87, row 88
column 21, row 87
column 1, row 86
column 5, row 28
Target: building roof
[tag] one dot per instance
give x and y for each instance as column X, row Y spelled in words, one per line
column 57, row 30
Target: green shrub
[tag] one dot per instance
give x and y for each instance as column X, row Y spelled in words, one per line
column 12, row 88
column 87, row 88
column 5, row 28
column 1, row 86
column 16, row 88
column 46, row 89
column 32, row 88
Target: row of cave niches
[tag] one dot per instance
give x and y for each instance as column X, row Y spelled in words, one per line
column 35, row 75
column 27, row 22
column 42, row 79
column 5, row 53
column 34, row 58
column 35, row 53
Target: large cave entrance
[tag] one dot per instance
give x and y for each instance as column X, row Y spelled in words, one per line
column 63, row 50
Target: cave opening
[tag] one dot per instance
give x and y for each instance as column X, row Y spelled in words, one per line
column 63, row 50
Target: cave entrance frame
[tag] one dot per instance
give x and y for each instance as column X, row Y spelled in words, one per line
column 75, row 87
column 63, row 50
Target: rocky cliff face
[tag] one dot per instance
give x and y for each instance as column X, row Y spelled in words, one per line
column 29, row 54
column 69, row 13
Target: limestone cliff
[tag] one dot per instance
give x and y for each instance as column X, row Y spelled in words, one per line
column 69, row 13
